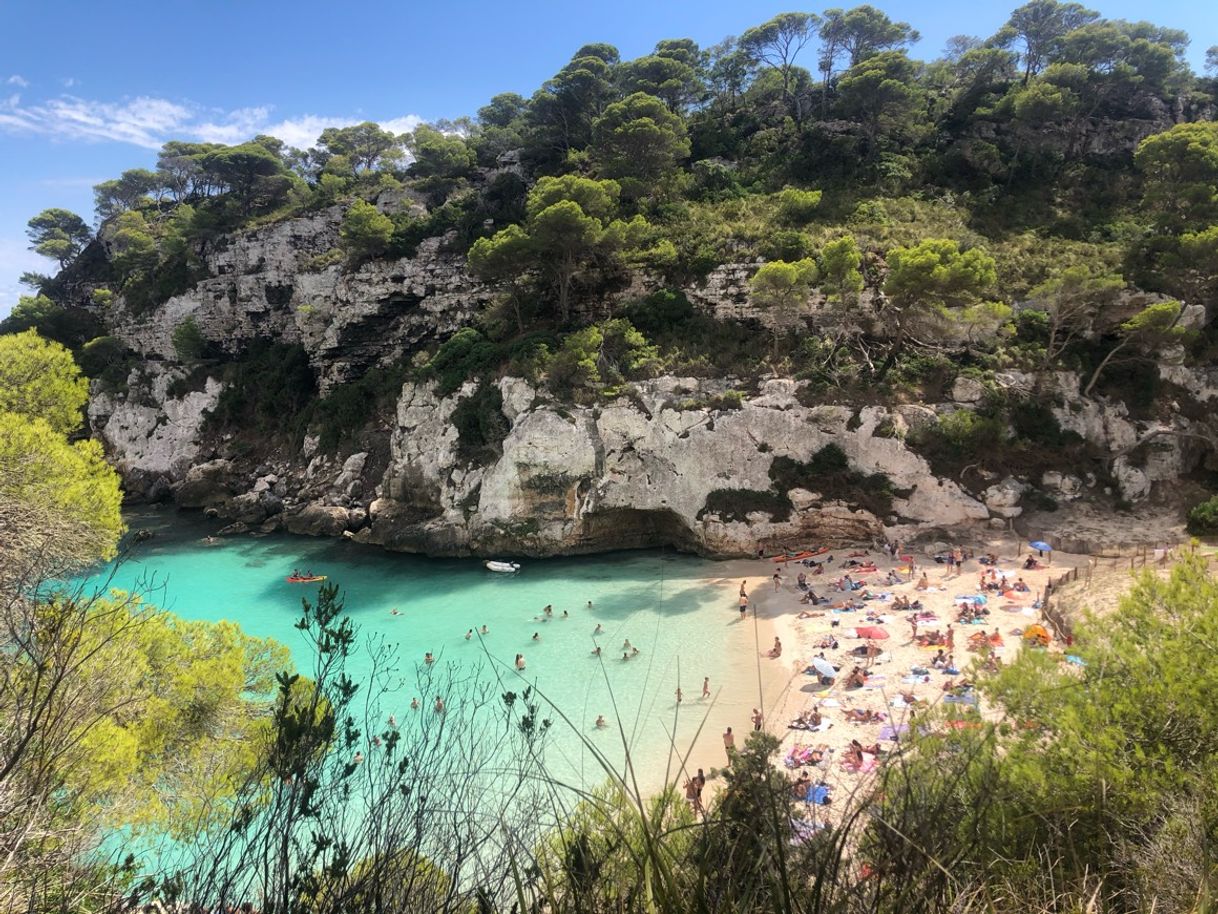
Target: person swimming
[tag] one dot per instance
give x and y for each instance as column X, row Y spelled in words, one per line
column 439, row 705
column 599, row 628
column 469, row 634
column 596, row 651
column 626, row 645
column 536, row 636
column 484, row 630
column 600, row 722
column 414, row 704
column 428, row 658
column 520, row 661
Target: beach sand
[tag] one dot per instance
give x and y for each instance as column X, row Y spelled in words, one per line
column 783, row 691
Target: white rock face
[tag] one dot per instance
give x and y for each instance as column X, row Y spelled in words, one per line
column 638, row 471
column 268, row 283
column 1005, row 494
column 967, row 390
column 157, row 438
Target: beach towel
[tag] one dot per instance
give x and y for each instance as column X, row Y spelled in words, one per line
column 893, row 733
column 818, row 794
column 967, row 699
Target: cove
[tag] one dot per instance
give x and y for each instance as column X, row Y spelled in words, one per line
column 678, row 610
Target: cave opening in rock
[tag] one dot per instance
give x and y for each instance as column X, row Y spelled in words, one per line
column 634, row 528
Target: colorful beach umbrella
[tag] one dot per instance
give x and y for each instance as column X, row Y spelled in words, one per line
column 1041, row 546
column 872, row 632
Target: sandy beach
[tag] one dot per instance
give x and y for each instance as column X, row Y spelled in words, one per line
column 783, row 690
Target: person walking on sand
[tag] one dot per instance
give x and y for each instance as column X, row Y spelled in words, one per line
column 777, row 580
column 743, row 592
column 705, row 687
column 757, row 719
column 913, row 625
column 679, row 695
column 949, row 638
column 729, row 744
column 744, row 604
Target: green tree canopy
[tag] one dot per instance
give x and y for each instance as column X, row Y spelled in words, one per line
column 39, row 380
column 365, row 231
column 783, row 288
column 839, row 264
column 438, row 154
column 366, row 147
column 58, row 234
column 639, row 139
column 1181, row 168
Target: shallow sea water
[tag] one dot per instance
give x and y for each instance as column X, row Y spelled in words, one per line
column 667, row 605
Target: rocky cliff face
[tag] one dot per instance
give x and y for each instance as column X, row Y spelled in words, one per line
column 633, row 472
column 637, row 471
column 269, row 283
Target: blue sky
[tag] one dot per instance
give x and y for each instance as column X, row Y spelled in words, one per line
column 88, row 89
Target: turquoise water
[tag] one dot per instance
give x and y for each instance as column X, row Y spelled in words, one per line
column 673, row 608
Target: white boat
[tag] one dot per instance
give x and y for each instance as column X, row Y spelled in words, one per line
column 502, row 567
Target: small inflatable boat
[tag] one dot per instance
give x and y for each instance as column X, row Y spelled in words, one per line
column 502, row 567
column 305, row 579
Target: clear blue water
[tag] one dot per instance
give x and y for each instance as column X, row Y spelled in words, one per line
column 669, row 606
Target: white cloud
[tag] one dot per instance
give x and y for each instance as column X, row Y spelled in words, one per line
column 69, row 82
column 18, row 80
column 149, row 122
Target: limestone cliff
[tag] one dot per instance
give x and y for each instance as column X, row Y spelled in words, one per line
column 636, row 471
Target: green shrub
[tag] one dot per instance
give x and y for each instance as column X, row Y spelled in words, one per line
column 466, row 355
column 828, row 472
column 365, row 231
column 188, row 341
column 480, row 423
column 106, row 358
column 798, row 207
column 786, row 244
column 1203, row 517
column 659, row 312
column 348, row 407
column 737, row 504
column 269, row 391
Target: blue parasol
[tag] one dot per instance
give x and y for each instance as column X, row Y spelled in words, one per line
column 1040, row 545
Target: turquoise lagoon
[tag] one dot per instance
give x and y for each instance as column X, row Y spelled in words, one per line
column 678, row 610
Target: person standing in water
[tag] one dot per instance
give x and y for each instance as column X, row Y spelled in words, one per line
column 484, row 630
column 439, row 705
column 469, row 634
column 520, row 661
column 679, row 695
column 706, row 687
column 744, row 604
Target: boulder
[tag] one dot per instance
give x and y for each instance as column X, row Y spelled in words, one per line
column 206, row 485
column 967, row 390
column 1005, row 495
column 1062, row 486
column 348, row 477
column 318, row 520
column 1132, row 482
